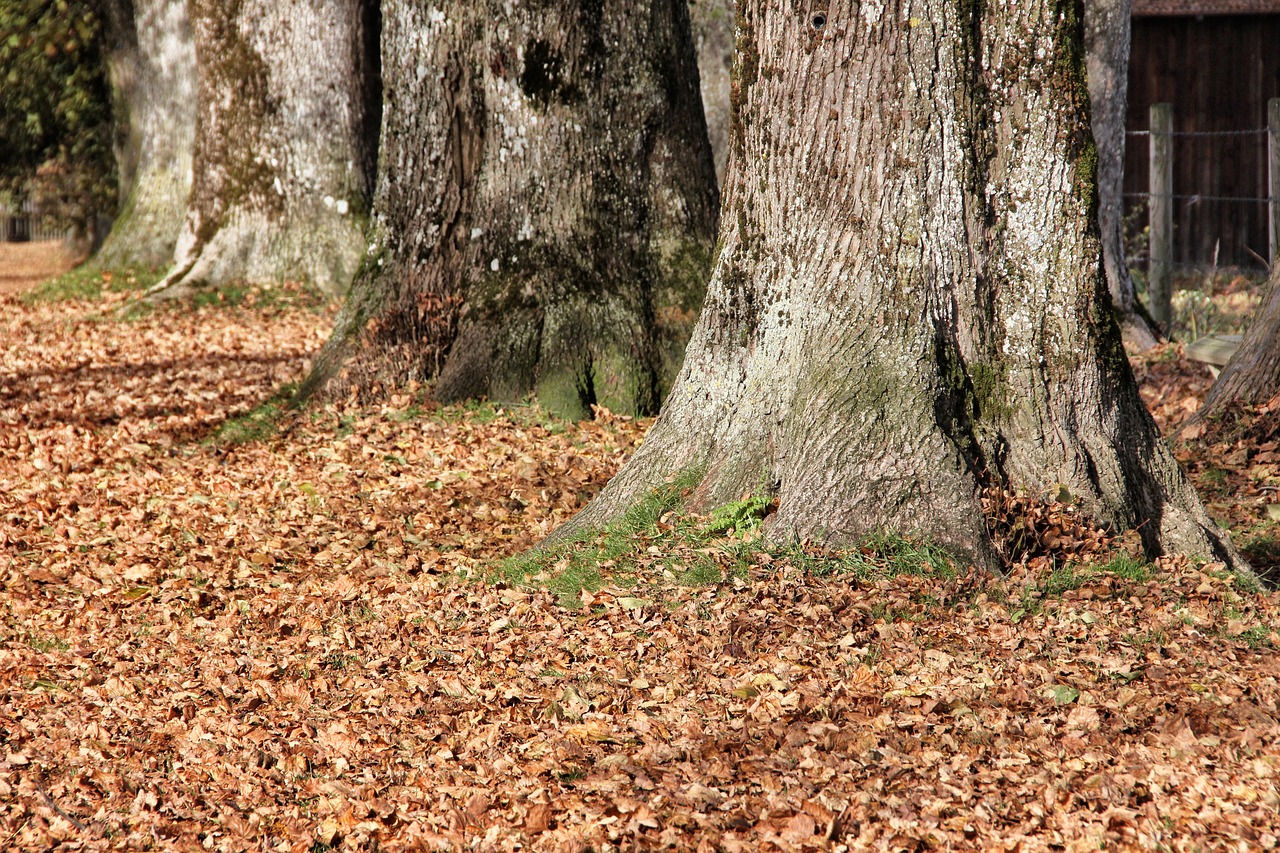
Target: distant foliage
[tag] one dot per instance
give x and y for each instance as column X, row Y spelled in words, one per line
column 55, row 114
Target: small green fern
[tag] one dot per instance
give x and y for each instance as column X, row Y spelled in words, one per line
column 737, row 516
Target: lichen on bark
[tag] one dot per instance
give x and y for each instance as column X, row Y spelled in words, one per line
column 153, row 72
column 905, row 308
column 284, row 132
column 545, row 211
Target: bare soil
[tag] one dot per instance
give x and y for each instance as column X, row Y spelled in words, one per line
column 24, row 265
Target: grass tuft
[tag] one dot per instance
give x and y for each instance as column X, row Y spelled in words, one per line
column 87, row 282
column 259, row 424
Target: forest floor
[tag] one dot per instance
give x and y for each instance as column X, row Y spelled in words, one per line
column 228, row 625
column 24, row 265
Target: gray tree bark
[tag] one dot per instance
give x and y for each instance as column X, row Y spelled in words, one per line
column 546, row 206
column 1253, row 374
column 1107, row 36
column 281, row 180
column 713, row 32
column 152, row 68
column 908, row 304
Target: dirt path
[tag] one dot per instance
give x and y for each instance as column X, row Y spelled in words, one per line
column 24, row 265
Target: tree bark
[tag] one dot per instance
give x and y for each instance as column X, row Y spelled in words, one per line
column 1107, row 29
column 713, row 35
column 546, row 206
column 152, row 68
column 908, row 305
column 1253, row 374
column 283, row 130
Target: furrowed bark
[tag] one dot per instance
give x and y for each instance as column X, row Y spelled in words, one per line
column 545, row 210
column 283, row 131
column 909, row 304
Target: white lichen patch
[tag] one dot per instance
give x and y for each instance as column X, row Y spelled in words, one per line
column 872, row 12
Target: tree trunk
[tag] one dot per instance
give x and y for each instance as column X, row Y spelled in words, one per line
column 546, row 206
column 713, row 35
column 1253, row 374
column 152, row 67
column 908, row 305
column 283, row 130
column 1107, row 28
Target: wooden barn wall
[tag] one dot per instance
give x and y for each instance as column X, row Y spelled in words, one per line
column 1218, row 72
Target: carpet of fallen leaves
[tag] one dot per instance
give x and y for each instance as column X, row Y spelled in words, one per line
column 286, row 643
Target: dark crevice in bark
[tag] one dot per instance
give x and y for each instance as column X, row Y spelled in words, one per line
column 368, row 55
column 888, row 337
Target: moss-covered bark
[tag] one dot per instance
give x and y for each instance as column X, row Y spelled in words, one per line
column 545, row 210
column 909, row 305
column 283, row 137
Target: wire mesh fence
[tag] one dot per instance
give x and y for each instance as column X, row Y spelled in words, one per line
column 1212, row 196
column 1216, row 185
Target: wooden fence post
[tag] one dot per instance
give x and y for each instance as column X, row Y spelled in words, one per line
column 1273, row 177
column 1160, row 267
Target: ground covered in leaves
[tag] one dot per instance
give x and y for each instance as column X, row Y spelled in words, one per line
column 231, row 626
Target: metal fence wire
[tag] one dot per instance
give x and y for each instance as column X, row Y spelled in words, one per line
column 1227, row 165
column 1203, row 134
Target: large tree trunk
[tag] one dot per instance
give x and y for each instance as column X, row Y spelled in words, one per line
column 546, row 206
column 1107, row 28
column 908, row 305
column 152, row 67
column 283, row 130
column 713, row 34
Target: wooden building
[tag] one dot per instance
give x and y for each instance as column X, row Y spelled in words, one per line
column 1218, row 63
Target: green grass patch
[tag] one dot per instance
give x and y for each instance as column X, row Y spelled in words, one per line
column 1129, row 568
column 1073, row 576
column 568, row 568
column 878, row 555
column 258, row 425
column 87, row 281
column 1256, row 636
column 655, row 537
column 240, row 294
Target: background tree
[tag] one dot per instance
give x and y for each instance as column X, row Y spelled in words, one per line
column 55, row 118
column 713, row 36
column 1107, row 29
column 1252, row 376
column 907, row 307
column 286, row 118
column 545, row 210
column 152, row 70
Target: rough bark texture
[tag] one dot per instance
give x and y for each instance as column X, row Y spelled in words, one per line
column 909, row 304
column 152, row 67
column 1107, row 27
column 545, row 210
column 713, row 35
column 282, row 130
column 1253, row 374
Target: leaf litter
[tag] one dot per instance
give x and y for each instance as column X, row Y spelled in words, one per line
column 293, row 638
